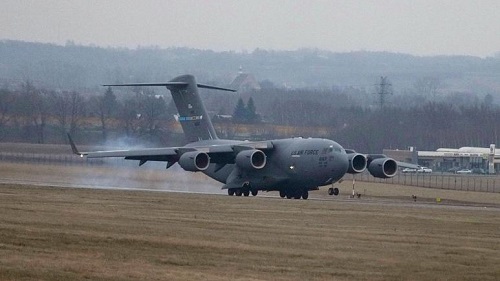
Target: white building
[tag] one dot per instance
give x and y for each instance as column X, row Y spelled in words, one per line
column 445, row 159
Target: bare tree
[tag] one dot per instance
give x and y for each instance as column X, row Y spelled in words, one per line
column 6, row 104
column 77, row 111
column 129, row 116
column 106, row 107
column 61, row 108
column 153, row 109
column 427, row 86
column 36, row 109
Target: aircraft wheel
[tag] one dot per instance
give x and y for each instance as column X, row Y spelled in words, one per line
column 336, row 191
column 254, row 192
column 333, row 191
column 282, row 194
column 305, row 194
column 230, row 192
column 237, row 192
column 246, row 192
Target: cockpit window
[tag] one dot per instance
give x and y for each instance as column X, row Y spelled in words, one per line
column 333, row 148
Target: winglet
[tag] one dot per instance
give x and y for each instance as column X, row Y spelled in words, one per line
column 73, row 146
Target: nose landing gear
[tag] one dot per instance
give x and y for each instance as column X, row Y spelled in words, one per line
column 333, row 191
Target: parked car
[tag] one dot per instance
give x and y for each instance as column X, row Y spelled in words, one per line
column 464, row 171
column 454, row 170
column 417, row 170
column 424, row 170
column 409, row 170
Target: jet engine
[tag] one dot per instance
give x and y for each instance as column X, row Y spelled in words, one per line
column 382, row 167
column 251, row 159
column 357, row 163
column 194, row 161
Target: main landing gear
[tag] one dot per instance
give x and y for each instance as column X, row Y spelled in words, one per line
column 295, row 194
column 288, row 193
column 242, row 191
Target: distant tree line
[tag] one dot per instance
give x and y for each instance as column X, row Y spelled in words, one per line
column 245, row 113
column 429, row 126
column 45, row 116
column 84, row 68
column 32, row 114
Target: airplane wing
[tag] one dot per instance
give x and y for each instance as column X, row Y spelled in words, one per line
column 219, row 153
column 399, row 163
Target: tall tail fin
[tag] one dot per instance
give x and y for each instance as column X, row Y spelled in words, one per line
column 193, row 116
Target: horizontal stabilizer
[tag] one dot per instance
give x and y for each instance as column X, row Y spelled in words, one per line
column 163, row 84
column 168, row 84
column 215, row 88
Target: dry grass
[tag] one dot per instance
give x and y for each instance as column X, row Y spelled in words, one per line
column 56, row 233
column 66, row 234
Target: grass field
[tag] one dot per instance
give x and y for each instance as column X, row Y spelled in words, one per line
column 49, row 233
column 60, row 233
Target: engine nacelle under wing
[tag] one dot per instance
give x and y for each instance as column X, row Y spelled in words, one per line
column 357, row 163
column 251, row 159
column 383, row 167
column 194, row 161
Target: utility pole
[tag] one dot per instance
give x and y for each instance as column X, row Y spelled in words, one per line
column 384, row 88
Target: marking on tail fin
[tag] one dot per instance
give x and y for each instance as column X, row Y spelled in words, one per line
column 189, row 118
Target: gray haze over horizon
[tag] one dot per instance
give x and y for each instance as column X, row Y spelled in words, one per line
column 423, row 28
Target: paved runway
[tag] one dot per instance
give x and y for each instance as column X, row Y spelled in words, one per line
column 201, row 184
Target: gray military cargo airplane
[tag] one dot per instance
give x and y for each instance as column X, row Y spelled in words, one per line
column 292, row 166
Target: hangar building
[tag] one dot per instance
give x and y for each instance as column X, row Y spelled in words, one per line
column 449, row 159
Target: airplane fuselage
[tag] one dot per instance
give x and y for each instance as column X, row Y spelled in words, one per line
column 302, row 163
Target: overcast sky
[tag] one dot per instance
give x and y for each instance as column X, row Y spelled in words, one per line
column 419, row 27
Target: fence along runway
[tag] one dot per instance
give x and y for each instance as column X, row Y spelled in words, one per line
column 481, row 183
column 156, row 179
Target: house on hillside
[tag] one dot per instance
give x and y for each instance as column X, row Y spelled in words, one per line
column 244, row 82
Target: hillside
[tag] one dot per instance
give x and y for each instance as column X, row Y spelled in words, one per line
column 73, row 67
